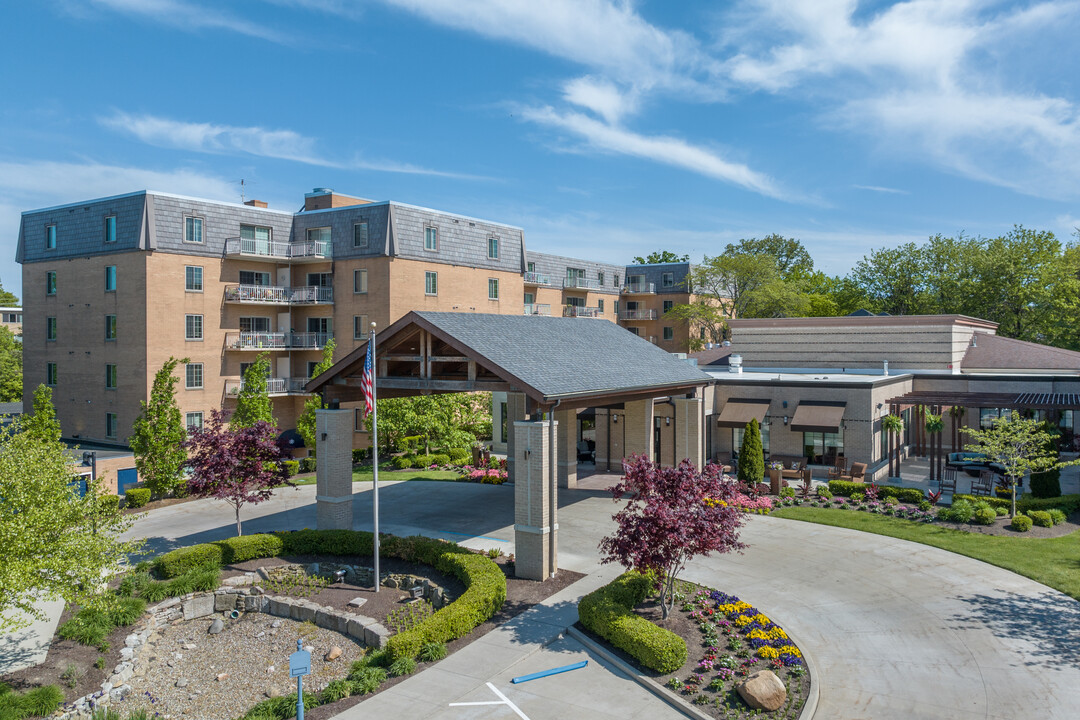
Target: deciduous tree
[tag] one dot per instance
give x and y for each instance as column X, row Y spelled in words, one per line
column 662, row 256
column 56, row 544
column 158, row 435
column 305, row 424
column 671, row 516
column 444, row 421
column 43, row 423
column 11, row 367
column 253, row 403
column 238, row 465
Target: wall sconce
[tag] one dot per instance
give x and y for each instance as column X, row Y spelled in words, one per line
column 785, row 417
column 615, row 419
column 667, row 421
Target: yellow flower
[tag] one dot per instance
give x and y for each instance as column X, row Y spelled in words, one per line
column 790, row 649
column 768, row 652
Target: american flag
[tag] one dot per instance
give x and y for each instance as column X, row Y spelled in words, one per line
column 367, row 380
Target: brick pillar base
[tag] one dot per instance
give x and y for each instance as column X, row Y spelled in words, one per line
column 333, row 470
column 535, row 502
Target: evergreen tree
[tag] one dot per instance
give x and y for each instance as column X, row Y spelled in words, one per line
column 43, row 423
column 751, row 456
column 305, row 424
column 11, row 367
column 158, row 434
column 253, row 403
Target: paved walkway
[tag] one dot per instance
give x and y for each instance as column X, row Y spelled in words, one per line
column 28, row 647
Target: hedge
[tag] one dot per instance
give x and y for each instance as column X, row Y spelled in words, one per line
column 292, row 467
column 845, row 488
column 136, row 497
column 403, row 462
column 238, row 549
column 307, row 464
column 608, row 613
column 359, row 455
column 1041, row 518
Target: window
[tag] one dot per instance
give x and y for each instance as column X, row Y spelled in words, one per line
column 110, row 327
column 50, row 328
column 193, row 421
column 50, row 282
column 702, row 333
column 318, row 235
column 431, row 238
column 359, row 281
column 600, row 278
column 823, row 448
column 360, row 235
column 254, row 324
column 359, row 327
column 431, row 283
column 193, row 327
column 50, row 374
column 616, row 304
column 600, row 306
column 634, row 330
column 575, row 301
column 255, row 240
column 110, row 425
column 987, row 416
column 50, row 237
column 110, row 278
column 493, row 288
column 737, row 436
column 669, row 333
column 667, row 279
column 530, row 267
column 530, row 298
column 252, row 277
column 320, row 279
column 110, row 377
column 668, row 304
column 193, row 278
column 110, row 229
column 615, row 280
column 575, row 277
column 493, row 248
column 193, row 230
column 322, row 325
column 311, row 368
column 194, row 376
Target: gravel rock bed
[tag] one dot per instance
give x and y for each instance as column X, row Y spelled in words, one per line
column 251, row 657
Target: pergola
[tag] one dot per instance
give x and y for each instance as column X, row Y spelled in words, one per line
column 938, row 402
column 549, row 366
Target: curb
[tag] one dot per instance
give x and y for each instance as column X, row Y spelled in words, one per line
column 673, row 700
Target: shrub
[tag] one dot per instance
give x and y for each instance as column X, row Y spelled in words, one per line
column 292, row 467
column 359, row 455
column 891, row 500
column 366, row 680
column 1057, row 515
column 786, row 492
column 607, row 612
column 111, row 502
column 210, row 555
column 961, row 512
column 1046, row 484
column 857, row 497
column 433, row 652
column 421, row 461
column 408, row 444
column 1068, row 503
column 307, row 465
column 440, row 459
column 402, row 462
column 336, row 690
column 824, row 492
column 1021, row 523
column 994, row 502
column 326, row 542
column 847, row 488
column 459, row 455
column 402, row 666
column 925, row 505
column 1001, row 512
column 984, row 516
column 136, row 497
column 1040, row 518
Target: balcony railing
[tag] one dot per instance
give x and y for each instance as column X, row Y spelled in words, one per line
column 534, row 309
column 578, row 283
column 274, row 386
column 279, row 295
column 579, row 311
column 534, row 278
column 303, row 249
column 276, row 340
column 639, row 289
column 637, row 314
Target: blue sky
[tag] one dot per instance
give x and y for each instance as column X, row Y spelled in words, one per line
column 605, row 128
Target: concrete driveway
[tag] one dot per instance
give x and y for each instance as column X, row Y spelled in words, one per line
column 898, row 630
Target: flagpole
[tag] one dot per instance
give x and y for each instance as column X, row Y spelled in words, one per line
column 374, row 457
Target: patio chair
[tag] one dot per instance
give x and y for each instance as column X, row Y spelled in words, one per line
column 984, row 484
column 838, row 470
column 948, row 480
column 857, row 474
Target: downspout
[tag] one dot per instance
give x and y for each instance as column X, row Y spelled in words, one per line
column 553, row 474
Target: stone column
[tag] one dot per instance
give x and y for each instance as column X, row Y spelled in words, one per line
column 688, row 431
column 638, row 430
column 566, row 422
column 333, row 469
column 515, row 412
column 534, row 501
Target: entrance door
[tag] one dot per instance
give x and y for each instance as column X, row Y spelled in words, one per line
column 125, row 479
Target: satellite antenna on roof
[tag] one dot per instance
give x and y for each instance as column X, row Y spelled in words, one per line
column 243, row 184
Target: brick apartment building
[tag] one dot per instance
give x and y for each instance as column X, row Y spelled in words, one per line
column 115, row 286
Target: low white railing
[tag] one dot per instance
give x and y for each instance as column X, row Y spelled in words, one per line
column 535, row 309
column 276, row 249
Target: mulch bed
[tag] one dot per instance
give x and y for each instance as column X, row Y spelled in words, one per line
column 1001, row 528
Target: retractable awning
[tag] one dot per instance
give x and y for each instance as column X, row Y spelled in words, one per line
column 736, row 413
column 818, row 417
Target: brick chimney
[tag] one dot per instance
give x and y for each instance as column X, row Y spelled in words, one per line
column 324, row 198
column 255, row 203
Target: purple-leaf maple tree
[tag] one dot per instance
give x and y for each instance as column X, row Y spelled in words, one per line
column 238, row 466
column 671, row 515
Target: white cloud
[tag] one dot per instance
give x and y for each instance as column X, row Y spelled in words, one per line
column 601, row 96
column 190, row 16
column 666, row 150
column 258, row 141
column 880, row 189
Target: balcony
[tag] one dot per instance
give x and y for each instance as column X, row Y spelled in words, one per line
column 276, row 340
column 533, row 278
column 580, row 311
column 578, row 283
column 535, row 309
column 278, row 295
column 301, row 251
column 274, row 386
column 637, row 315
column 639, row 289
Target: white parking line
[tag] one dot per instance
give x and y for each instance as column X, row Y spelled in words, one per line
column 503, row 701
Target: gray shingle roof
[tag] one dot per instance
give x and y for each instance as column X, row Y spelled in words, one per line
column 562, row 357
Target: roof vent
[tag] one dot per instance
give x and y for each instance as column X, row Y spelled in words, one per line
column 973, row 343
column 321, row 191
column 726, row 343
column 735, row 364
column 884, row 367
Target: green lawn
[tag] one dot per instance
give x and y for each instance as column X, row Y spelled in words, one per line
column 366, row 475
column 1050, row 561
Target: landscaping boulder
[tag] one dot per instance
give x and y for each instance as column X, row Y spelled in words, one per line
column 199, row 606
column 375, row 635
column 763, row 690
column 334, row 654
column 217, row 626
